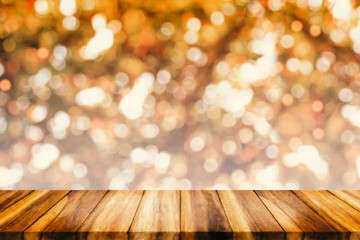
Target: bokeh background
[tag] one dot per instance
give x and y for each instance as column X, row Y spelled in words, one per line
column 190, row 94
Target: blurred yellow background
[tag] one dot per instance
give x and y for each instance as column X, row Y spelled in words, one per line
column 186, row 94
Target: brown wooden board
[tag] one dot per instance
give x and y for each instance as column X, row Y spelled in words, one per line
column 159, row 211
column 336, row 212
column 7, row 198
column 201, row 211
column 69, row 213
column 246, row 212
column 292, row 213
column 114, row 213
column 24, row 212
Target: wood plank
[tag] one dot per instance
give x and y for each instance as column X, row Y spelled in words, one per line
column 340, row 215
column 292, row 213
column 7, row 198
column 23, row 213
column 114, row 213
column 154, row 235
column 102, row 236
column 159, row 211
column 351, row 197
column 246, row 212
column 201, row 211
column 69, row 213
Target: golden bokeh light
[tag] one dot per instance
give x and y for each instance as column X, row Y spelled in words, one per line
column 261, row 94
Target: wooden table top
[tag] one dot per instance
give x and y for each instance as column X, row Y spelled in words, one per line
column 205, row 214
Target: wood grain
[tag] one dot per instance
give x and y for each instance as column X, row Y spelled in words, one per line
column 69, row 213
column 201, row 211
column 351, row 197
column 246, row 212
column 24, row 212
column 102, row 236
column 292, row 213
column 340, row 215
column 114, row 213
column 180, row 215
column 7, row 198
column 159, row 211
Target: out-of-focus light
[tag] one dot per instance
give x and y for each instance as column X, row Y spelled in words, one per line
column 310, row 157
column 103, row 40
column 293, row 64
column 167, row 29
column 358, row 165
column 98, row 21
column 88, row 4
column 228, row 9
column 59, row 123
column 194, row 54
column 229, row 147
column 41, row 78
column 138, row 155
column 194, row 24
column 43, row 155
column 217, row 18
column 149, row 130
column 249, row 73
column 41, row 7
column 121, row 130
column 70, row 23
column 132, row 104
column 5, row 85
column 298, row 91
column 163, row 76
column 345, row 95
column 90, row 96
column 66, row 163
column 272, row 151
column 352, row 114
column 34, row 133
column 197, row 144
column 317, row 106
column 68, row 7
column 323, row 64
column 80, row 170
column 210, row 165
column 341, row 9
column 315, row 4
column 37, row 113
column 268, row 176
column 306, row 67
column 287, row 41
column 162, row 162
column 2, row 69
column 337, row 35
column 191, row 37
column 275, row 5
column 246, row 135
column 223, row 68
column 115, row 26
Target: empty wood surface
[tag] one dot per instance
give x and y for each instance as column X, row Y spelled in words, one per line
column 246, row 212
column 204, row 214
column 24, row 212
column 201, row 211
column 114, row 213
column 292, row 213
column 7, row 198
column 352, row 197
column 336, row 212
column 159, row 211
column 69, row 213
